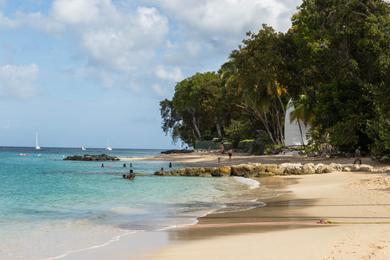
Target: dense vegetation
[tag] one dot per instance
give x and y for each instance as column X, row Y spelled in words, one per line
column 334, row 63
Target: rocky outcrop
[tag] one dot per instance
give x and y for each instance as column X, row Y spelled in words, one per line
column 175, row 151
column 260, row 170
column 89, row 157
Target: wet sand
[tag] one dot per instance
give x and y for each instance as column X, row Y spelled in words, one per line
column 357, row 206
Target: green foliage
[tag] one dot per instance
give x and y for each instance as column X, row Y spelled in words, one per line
column 340, row 59
column 334, row 62
column 236, row 131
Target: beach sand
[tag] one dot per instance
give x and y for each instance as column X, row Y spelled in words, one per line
column 357, row 205
column 210, row 159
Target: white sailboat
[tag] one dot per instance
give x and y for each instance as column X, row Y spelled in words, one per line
column 83, row 148
column 108, row 147
column 37, row 147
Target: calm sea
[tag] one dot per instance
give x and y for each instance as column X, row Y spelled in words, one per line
column 50, row 207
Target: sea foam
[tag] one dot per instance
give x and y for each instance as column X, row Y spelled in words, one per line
column 253, row 184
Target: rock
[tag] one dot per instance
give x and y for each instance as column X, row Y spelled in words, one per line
column 322, row 168
column 336, row 166
column 225, row 170
column 355, row 168
column 347, row 167
column 159, row 173
column 175, row 151
column 291, row 169
column 89, row 157
column 366, row 168
column 264, row 174
column 271, row 168
column 309, row 168
column 238, row 170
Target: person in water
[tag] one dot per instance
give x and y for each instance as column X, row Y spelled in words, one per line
column 124, row 165
column 131, row 175
column 131, row 165
column 102, row 165
column 170, row 165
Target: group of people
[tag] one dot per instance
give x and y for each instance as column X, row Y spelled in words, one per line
column 131, row 174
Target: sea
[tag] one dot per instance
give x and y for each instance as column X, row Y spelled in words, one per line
column 51, row 208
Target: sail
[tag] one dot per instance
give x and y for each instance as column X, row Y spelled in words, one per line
column 37, row 147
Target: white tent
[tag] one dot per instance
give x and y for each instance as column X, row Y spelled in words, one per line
column 295, row 131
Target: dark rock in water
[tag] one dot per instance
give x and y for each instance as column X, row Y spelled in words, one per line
column 177, row 151
column 90, row 157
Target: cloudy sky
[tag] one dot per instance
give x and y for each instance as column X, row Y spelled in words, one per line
column 83, row 71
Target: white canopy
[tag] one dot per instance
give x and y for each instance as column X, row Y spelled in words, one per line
column 295, row 131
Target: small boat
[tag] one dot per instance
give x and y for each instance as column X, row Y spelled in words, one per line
column 37, row 147
column 83, row 148
column 108, row 147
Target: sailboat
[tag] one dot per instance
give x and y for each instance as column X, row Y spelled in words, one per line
column 108, row 148
column 83, row 148
column 37, row 147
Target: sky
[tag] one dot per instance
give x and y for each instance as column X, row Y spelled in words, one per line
column 81, row 72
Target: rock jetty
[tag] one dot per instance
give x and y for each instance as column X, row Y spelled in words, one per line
column 175, row 151
column 252, row 170
column 90, row 157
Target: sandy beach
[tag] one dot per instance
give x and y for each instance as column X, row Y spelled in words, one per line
column 210, row 159
column 322, row 216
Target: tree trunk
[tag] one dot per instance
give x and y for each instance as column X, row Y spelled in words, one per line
column 300, row 130
column 196, row 128
column 219, row 131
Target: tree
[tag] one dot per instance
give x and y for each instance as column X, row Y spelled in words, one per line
column 258, row 66
column 337, row 50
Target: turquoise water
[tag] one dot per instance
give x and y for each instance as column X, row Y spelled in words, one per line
column 44, row 200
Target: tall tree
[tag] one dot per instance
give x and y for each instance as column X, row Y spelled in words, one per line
column 258, row 65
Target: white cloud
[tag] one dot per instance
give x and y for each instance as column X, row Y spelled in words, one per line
column 18, row 81
column 76, row 11
column 228, row 17
column 128, row 44
column 159, row 90
column 174, row 74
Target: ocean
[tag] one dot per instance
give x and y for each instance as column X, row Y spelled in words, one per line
column 51, row 208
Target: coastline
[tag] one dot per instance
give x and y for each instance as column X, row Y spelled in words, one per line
column 293, row 206
column 210, row 159
column 353, row 205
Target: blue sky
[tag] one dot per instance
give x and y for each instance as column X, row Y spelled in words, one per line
column 83, row 71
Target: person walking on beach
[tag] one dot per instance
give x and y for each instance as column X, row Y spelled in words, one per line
column 230, row 153
column 357, row 156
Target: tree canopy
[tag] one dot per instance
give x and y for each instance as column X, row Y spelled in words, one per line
column 334, row 63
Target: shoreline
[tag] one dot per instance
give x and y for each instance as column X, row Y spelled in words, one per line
column 239, row 227
column 120, row 245
column 307, row 207
column 210, row 159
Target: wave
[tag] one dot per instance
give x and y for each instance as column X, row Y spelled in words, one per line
column 112, row 240
column 253, row 184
